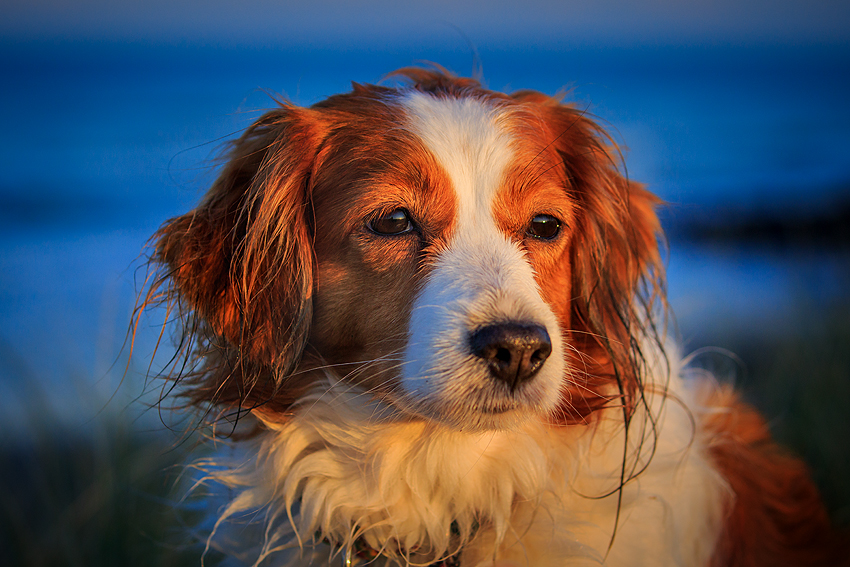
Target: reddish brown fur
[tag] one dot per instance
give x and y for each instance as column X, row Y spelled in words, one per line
column 366, row 283
column 242, row 263
column 776, row 516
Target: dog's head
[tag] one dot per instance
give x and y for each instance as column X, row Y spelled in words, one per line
column 467, row 256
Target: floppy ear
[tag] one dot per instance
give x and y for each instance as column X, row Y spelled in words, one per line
column 617, row 282
column 241, row 263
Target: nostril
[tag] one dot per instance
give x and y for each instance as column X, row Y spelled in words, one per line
column 539, row 356
column 503, row 355
column 514, row 352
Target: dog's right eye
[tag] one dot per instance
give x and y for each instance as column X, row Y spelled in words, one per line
column 544, row 227
column 392, row 223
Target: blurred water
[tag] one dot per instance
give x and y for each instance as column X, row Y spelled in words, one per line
column 101, row 143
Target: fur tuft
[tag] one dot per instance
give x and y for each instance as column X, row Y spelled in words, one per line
column 346, row 470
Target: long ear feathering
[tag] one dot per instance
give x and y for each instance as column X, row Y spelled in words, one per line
column 239, row 269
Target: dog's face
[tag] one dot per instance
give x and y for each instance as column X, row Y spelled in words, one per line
column 467, row 256
column 435, row 257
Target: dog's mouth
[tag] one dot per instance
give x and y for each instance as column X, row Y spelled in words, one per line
column 489, row 407
column 504, row 403
column 500, row 408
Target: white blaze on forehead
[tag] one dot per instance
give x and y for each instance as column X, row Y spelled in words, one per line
column 481, row 278
column 469, row 139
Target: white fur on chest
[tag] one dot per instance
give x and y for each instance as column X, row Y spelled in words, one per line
column 346, row 468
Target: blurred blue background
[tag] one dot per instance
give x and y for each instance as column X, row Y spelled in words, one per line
column 736, row 113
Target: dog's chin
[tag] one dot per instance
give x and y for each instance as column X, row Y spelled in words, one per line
column 493, row 412
column 481, row 420
column 497, row 419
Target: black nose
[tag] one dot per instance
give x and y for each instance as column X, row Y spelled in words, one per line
column 514, row 352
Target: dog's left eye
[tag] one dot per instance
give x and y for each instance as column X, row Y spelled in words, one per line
column 392, row 223
column 545, row 227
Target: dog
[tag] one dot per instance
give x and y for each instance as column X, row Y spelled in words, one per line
column 440, row 311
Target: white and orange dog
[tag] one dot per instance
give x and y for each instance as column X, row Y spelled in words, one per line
column 443, row 309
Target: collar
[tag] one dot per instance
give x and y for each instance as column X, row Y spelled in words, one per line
column 361, row 554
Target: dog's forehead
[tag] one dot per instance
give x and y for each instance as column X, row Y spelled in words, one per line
column 470, row 139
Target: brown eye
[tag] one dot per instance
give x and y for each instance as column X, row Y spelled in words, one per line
column 545, row 227
column 392, row 223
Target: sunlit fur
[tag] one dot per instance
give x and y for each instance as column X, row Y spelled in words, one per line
column 361, row 470
column 480, row 277
column 375, row 430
